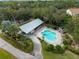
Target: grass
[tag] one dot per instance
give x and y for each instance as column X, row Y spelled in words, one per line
column 13, row 42
column 51, row 55
column 5, row 55
column 0, row 26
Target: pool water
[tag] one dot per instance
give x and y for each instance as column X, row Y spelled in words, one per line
column 49, row 35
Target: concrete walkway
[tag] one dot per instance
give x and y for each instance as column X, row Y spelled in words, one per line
column 14, row 51
column 37, row 47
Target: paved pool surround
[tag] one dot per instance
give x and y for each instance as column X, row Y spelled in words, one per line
column 57, row 39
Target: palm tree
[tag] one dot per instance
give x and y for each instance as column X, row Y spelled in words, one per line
column 13, row 30
column 5, row 25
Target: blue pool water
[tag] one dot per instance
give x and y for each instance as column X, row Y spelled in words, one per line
column 49, row 35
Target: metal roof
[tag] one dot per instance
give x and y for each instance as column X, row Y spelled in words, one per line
column 28, row 27
column 74, row 11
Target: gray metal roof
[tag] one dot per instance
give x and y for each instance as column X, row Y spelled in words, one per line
column 31, row 25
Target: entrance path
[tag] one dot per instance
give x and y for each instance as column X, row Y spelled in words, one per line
column 37, row 47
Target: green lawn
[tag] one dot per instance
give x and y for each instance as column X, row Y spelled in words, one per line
column 5, row 55
column 51, row 55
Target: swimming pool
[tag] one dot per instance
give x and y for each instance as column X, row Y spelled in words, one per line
column 49, row 35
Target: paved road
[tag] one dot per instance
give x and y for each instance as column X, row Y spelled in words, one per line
column 37, row 47
column 16, row 52
column 20, row 54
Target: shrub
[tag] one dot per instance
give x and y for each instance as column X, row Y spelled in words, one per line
column 50, row 47
column 65, row 46
column 59, row 49
column 65, row 42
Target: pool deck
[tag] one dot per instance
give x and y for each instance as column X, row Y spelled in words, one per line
column 58, row 41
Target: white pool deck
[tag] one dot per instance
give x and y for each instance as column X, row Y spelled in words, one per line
column 58, row 40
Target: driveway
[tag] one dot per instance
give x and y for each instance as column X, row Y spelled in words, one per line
column 20, row 54
column 37, row 47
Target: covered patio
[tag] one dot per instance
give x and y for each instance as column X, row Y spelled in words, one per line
column 30, row 27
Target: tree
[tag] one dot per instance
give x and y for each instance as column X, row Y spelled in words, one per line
column 59, row 18
column 7, row 13
column 23, row 13
column 13, row 30
column 5, row 25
